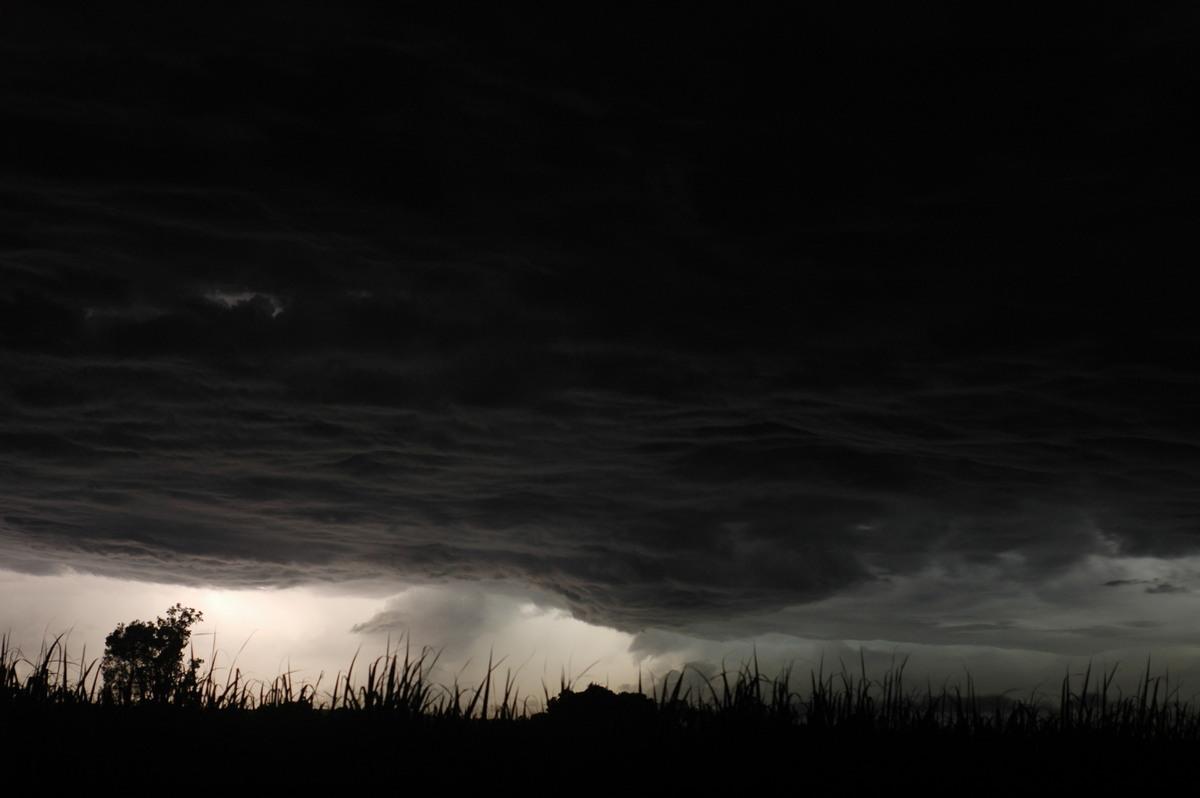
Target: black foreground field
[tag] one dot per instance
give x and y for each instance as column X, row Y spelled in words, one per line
column 386, row 727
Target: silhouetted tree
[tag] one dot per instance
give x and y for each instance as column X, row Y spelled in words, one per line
column 143, row 662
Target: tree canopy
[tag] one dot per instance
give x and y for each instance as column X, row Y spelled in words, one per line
column 144, row 663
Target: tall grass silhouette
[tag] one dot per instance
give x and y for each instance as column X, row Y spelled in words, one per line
column 398, row 683
column 829, row 730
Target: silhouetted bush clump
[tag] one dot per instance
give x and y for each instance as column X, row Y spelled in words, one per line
column 598, row 708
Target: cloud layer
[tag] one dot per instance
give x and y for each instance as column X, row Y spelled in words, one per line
column 695, row 333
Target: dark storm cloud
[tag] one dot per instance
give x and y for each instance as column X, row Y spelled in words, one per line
column 673, row 328
column 1152, row 585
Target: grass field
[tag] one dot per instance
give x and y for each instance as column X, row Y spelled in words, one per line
column 825, row 733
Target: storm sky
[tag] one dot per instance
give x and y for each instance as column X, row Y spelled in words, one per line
column 817, row 331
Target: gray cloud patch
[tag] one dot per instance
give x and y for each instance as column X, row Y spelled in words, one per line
column 431, row 615
column 1166, row 587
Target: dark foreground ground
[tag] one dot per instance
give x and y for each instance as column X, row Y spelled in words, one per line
column 147, row 751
